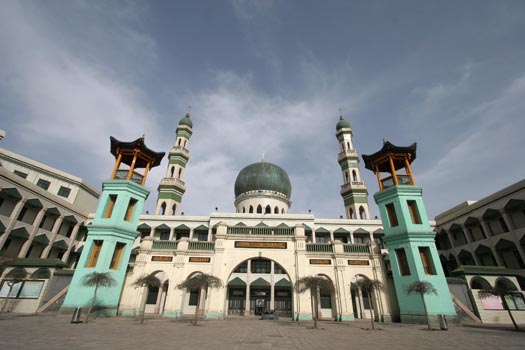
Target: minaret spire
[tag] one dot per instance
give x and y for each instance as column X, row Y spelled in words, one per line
column 172, row 187
column 353, row 190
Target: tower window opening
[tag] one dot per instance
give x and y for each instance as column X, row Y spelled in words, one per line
column 282, row 211
column 110, row 205
column 404, row 269
column 259, row 209
column 268, row 210
column 392, row 217
column 163, row 208
column 251, row 209
column 184, row 145
column 347, row 180
column 348, row 145
column 174, row 209
column 180, row 172
column 354, row 175
column 129, row 210
column 172, row 171
column 351, row 213
column 276, row 210
column 116, row 256
column 424, row 253
column 95, row 252
column 178, row 144
column 414, row 213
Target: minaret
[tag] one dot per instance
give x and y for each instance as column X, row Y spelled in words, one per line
column 172, row 187
column 114, row 228
column 353, row 190
column 408, row 235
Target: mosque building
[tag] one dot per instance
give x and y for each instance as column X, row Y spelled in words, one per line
column 260, row 251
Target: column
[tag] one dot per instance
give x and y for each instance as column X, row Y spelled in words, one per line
column 247, row 301
column 73, row 237
column 272, row 286
column 191, row 234
column 331, row 236
column 352, row 237
column 210, row 234
column 34, row 231
column 12, row 221
column 159, row 299
column 361, row 303
column 172, row 232
column 54, row 231
column 508, row 220
column 466, row 233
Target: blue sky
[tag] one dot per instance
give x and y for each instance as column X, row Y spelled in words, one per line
column 270, row 77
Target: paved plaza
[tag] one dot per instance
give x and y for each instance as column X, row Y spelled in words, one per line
column 56, row 332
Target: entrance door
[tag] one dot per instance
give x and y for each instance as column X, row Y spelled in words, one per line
column 259, row 300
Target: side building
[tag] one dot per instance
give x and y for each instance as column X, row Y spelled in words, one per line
column 483, row 243
column 43, row 225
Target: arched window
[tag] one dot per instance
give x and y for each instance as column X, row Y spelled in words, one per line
column 259, row 209
column 479, row 283
column 172, row 171
column 185, row 141
column 282, row 211
column 354, row 175
column 348, row 145
column 362, row 213
column 163, row 208
column 178, row 144
column 351, row 213
column 173, row 209
column 180, row 172
column 243, row 209
column 268, row 210
column 346, row 177
column 276, row 210
column 251, row 209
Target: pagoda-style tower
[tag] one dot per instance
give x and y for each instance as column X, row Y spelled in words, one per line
column 172, row 187
column 408, row 236
column 353, row 190
column 114, row 228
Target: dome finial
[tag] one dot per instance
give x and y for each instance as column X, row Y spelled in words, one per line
column 341, row 114
column 189, row 110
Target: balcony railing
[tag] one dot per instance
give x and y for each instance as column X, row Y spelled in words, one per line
column 347, row 153
column 180, row 149
column 320, row 247
column 172, row 181
column 261, row 231
column 123, row 174
column 201, row 245
column 170, row 245
column 356, row 248
column 402, row 179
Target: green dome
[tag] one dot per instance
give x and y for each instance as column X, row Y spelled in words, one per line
column 342, row 124
column 263, row 176
column 186, row 121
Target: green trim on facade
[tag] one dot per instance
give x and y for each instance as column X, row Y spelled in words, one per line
column 283, row 283
column 170, row 195
column 237, row 282
column 37, row 262
column 347, row 318
column 355, row 199
column 172, row 314
column 260, row 282
column 213, row 315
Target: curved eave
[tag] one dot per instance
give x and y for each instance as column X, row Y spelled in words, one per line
column 398, row 152
column 154, row 157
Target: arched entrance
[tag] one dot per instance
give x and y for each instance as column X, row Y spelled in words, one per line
column 156, row 298
column 259, row 284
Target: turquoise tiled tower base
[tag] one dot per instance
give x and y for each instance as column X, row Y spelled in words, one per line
column 410, row 237
column 118, row 228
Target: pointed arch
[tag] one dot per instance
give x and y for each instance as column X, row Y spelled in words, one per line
column 180, row 173
column 259, row 209
column 354, row 175
column 172, row 171
column 174, row 209
column 268, row 209
column 276, row 210
column 351, row 213
column 282, row 211
column 347, row 179
column 251, row 209
column 362, row 213
column 243, row 209
column 163, row 208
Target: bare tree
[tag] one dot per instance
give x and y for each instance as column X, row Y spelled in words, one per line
column 422, row 288
column 368, row 286
column 146, row 281
column 313, row 284
column 97, row 279
column 14, row 277
column 503, row 294
column 200, row 281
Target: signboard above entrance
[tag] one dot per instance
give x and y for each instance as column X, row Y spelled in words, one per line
column 161, row 258
column 260, row 245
